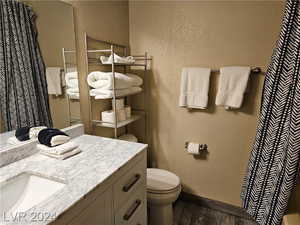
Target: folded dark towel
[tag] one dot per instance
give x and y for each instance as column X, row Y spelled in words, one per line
column 45, row 136
column 22, row 134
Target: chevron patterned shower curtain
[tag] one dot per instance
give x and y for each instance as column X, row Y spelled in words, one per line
column 273, row 168
column 23, row 87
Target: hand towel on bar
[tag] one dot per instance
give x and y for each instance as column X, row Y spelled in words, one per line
column 53, row 77
column 63, row 156
column 104, row 80
column 194, row 87
column 58, row 150
column 71, row 79
column 232, row 86
column 105, row 94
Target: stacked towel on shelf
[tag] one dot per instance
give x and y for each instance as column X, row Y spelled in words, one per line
column 105, row 94
column 72, row 87
column 55, row 143
column 104, row 80
column 117, row 59
column 102, row 84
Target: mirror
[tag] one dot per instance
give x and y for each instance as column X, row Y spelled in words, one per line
column 56, row 39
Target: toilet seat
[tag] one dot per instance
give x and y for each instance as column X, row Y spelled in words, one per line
column 161, row 181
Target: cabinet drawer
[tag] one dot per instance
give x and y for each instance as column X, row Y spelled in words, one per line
column 132, row 210
column 129, row 183
column 140, row 219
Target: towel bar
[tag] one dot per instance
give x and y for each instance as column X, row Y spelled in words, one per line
column 255, row 70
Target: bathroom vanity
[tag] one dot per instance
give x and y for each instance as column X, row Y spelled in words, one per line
column 103, row 185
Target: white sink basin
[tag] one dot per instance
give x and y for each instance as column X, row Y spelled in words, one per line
column 24, row 191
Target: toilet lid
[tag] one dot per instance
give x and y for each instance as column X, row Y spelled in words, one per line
column 161, row 180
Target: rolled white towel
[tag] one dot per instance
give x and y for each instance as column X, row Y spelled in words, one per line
column 58, row 150
column 63, row 156
column 104, row 94
column 104, row 80
column 72, row 79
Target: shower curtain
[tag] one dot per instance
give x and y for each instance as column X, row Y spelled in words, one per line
column 23, row 88
column 273, row 168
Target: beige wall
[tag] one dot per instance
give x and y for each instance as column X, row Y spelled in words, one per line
column 56, row 31
column 209, row 34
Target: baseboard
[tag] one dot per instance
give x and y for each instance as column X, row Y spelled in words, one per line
column 215, row 205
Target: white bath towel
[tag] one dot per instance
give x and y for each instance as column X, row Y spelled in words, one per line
column 73, row 93
column 117, row 59
column 106, row 94
column 54, row 82
column 194, row 87
column 104, row 80
column 63, row 156
column 71, row 79
column 34, row 131
column 58, row 150
column 59, row 140
column 232, row 86
column 13, row 141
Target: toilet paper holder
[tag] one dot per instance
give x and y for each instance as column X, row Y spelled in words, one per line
column 202, row 147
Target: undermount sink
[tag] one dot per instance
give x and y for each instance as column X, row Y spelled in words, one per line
column 24, row 191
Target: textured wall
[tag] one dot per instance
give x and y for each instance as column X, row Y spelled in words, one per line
column 209, row 34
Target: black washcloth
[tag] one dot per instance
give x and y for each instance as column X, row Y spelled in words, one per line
column 22, row 134
column 46, row 135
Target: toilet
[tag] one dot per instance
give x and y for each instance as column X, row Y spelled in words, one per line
column 163, row 188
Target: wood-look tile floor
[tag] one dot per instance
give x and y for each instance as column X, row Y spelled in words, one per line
column 188, row 213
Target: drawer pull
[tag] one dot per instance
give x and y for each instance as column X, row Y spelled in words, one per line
column 132, row 210
column 135, row 179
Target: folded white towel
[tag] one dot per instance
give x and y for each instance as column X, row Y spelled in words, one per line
column 232, row 86
column 105, row 94
column 104, row 80
column 34, row 131
column 194, row 87
column 58, row 150
column 73, row 93
column 63, row 156
column 71, row 79
column 117, row 59
column 13, row 141
column 54, row 83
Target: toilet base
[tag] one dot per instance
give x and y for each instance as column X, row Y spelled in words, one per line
column 160, row 214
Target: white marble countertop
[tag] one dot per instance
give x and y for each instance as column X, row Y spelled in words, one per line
column 99, row 159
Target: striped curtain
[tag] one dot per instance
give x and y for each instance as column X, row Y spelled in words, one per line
column 273, row 168
column 23, row 87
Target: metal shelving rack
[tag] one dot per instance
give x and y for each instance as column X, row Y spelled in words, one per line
column 72, row 120
column 141, row 61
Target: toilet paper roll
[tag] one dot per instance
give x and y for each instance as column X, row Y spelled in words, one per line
column 109, row 116
column 193, row 148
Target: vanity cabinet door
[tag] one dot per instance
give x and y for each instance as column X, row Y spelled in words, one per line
column 99, row 212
